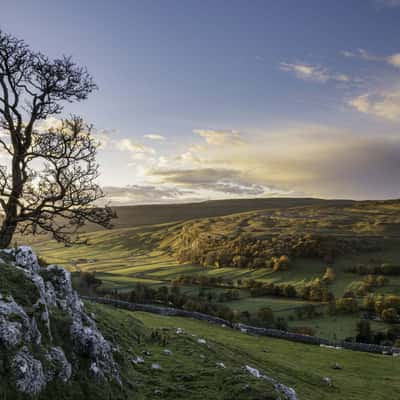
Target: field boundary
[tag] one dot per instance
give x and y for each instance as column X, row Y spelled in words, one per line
column 276, row 333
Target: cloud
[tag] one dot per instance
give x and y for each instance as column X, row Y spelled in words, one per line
column 384, row 105
column 287, row 160
column 142, row 194
column 313, row 73
column 47, row 124
column 154, row 136
column 220, row 137
column 360, row 53
column 224, row 180
column 201, row 176
column 393, row 59
column 102, row 136
column 133, row 147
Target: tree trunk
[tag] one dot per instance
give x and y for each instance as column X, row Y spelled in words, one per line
column 9, row 224
column 7, row 233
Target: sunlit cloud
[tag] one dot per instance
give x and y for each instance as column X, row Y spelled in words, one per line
column 384, row 105
column 48, row 124
column 220, row 137
column 229, row 181
column 133, row 147
column 142, row 194
column 154, row 136
column 394, row 60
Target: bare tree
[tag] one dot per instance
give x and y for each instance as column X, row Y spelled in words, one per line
column 48, row 184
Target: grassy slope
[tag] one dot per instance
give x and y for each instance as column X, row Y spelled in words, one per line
column 184, row 375
column 364, row 376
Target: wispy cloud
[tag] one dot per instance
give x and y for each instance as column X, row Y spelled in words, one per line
column 138, row 151
column 393, row 59
column 133, row 147
column 360, row 53
column 385, row 104
column 142, row 194
column 154, row 136
column 220, row 137
column 314, row 73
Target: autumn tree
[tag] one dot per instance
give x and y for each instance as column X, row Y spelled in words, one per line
column 48, row 183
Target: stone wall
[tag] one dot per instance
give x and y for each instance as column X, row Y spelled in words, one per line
column 277, row 333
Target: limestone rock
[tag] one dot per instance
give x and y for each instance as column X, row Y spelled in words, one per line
column 15, row 325
column 46, row 361
column 59, row 365
column 288, row 392
column 29, row 375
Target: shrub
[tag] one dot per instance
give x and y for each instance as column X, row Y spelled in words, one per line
column 265, row 314
column 329, row 275
column 282, row 263
column 389, row 314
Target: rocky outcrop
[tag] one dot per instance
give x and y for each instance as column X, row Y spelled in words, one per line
column 28, row 371
column 28, row 328
column 288, row 392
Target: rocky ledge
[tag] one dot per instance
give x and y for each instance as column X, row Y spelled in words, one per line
column 45, row 333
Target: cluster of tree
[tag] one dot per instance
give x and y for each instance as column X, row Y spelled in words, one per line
column 308, row 311
column 228, row 295
column 88, row 282
column 346, row 304
column 329, row 275
column 386, row 307
column 382, row 269
column 315, row 290
column 220, row 297
column 365, row 334
column 369, row 283
column 244, row 251
column 265, row 316
column 259, row 288
column 173, row 297
column 202, row 280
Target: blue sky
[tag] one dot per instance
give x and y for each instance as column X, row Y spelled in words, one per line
column 216, row 99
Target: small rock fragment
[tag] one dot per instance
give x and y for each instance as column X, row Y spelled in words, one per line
column 328, row 380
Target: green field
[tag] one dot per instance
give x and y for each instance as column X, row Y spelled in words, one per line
column 191, row 371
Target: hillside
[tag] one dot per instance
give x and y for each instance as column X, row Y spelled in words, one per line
column 154, row 214
column 194, row 371
column 51, row 347
column 354, row 240
column 144, row 356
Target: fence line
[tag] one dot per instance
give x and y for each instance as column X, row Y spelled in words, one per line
column 276, row 333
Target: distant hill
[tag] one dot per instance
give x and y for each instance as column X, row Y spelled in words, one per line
column 154, row 214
